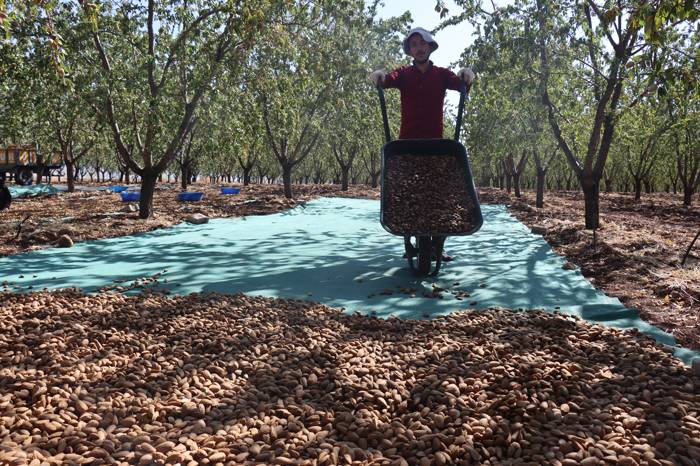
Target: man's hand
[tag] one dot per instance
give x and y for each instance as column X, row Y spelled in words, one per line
column 377, row 77
column 466, row 75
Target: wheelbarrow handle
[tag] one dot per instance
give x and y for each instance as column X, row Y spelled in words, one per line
column 463, row 93
column 382, row 103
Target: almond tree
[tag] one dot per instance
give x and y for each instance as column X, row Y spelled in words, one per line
column 685, row 140
column 641, row 132
column 679, row 88
column 147, row 45
column 298, row 72
column 605, row 38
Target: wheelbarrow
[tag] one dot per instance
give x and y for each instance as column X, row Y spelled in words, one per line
column 424, row 254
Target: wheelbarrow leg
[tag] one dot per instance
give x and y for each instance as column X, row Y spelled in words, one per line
column 438, row 244
column 410, row 250
column 421, row 251
column 427, row 249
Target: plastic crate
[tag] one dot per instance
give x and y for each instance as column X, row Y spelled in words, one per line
column 227, row 190
column 190, row 197
column 130, row 196
column 118, row 189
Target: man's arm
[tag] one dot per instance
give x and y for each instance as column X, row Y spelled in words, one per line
column 393, row 79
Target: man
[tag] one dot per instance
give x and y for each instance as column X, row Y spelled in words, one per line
column 423, row 86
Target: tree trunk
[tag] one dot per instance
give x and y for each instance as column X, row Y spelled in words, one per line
column 287, row 180
column 246, row 175
column 687, row 197
column 539, row 201
column 70, row 175
column 148, row 188
column 637, row 189
column 185, row 176
column 485, row 179
column 344, row 175
column 609, row 184
column 516, row 185
column 591, row 194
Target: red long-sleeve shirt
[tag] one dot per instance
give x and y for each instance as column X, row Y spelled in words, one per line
column 422, row 98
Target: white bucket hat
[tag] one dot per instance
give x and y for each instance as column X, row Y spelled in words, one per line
column 428, row 37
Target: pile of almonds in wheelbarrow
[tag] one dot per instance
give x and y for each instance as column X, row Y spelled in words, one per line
column 426, row 194
column 232, row 379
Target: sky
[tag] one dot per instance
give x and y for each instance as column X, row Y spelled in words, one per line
column 451, row 41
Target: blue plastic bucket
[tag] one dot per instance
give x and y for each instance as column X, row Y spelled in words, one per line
column 130, row 196
column 189, row 197
column 226, row 190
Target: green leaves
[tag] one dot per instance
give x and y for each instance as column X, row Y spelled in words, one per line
column 91, row 12
column 610, row 15
column 4, row 19
column 441, row 8
column 655, row 18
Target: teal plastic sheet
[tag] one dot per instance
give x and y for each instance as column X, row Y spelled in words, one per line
column 33, row 190
column 335, row 251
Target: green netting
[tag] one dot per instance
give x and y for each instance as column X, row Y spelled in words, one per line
column 335, row 251
column 33, row 190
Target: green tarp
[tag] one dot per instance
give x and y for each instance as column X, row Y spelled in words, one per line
column 33, row 190
column 334, row 251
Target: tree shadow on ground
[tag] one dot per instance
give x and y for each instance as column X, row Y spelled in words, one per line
column 293, row 378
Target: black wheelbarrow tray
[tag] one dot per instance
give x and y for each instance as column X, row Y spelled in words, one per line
column 429, row 243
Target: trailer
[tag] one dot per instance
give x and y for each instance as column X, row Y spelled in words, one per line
column 23, row 162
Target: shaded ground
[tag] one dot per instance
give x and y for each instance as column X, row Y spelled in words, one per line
column 636, row 258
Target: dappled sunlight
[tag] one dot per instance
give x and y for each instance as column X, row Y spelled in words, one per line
column 258, row 379
column 333, row 251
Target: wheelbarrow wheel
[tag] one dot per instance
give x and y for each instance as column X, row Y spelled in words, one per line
column 425, row 249
column 23, row 176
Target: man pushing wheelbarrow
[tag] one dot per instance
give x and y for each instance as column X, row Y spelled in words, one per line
column 427, row 187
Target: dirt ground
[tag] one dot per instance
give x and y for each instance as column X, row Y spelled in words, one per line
column 636, row 255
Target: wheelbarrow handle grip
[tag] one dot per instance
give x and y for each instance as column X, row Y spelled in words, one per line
column 463, row 92
column 382, row 103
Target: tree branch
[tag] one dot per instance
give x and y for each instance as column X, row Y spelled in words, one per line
column 601, row 18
